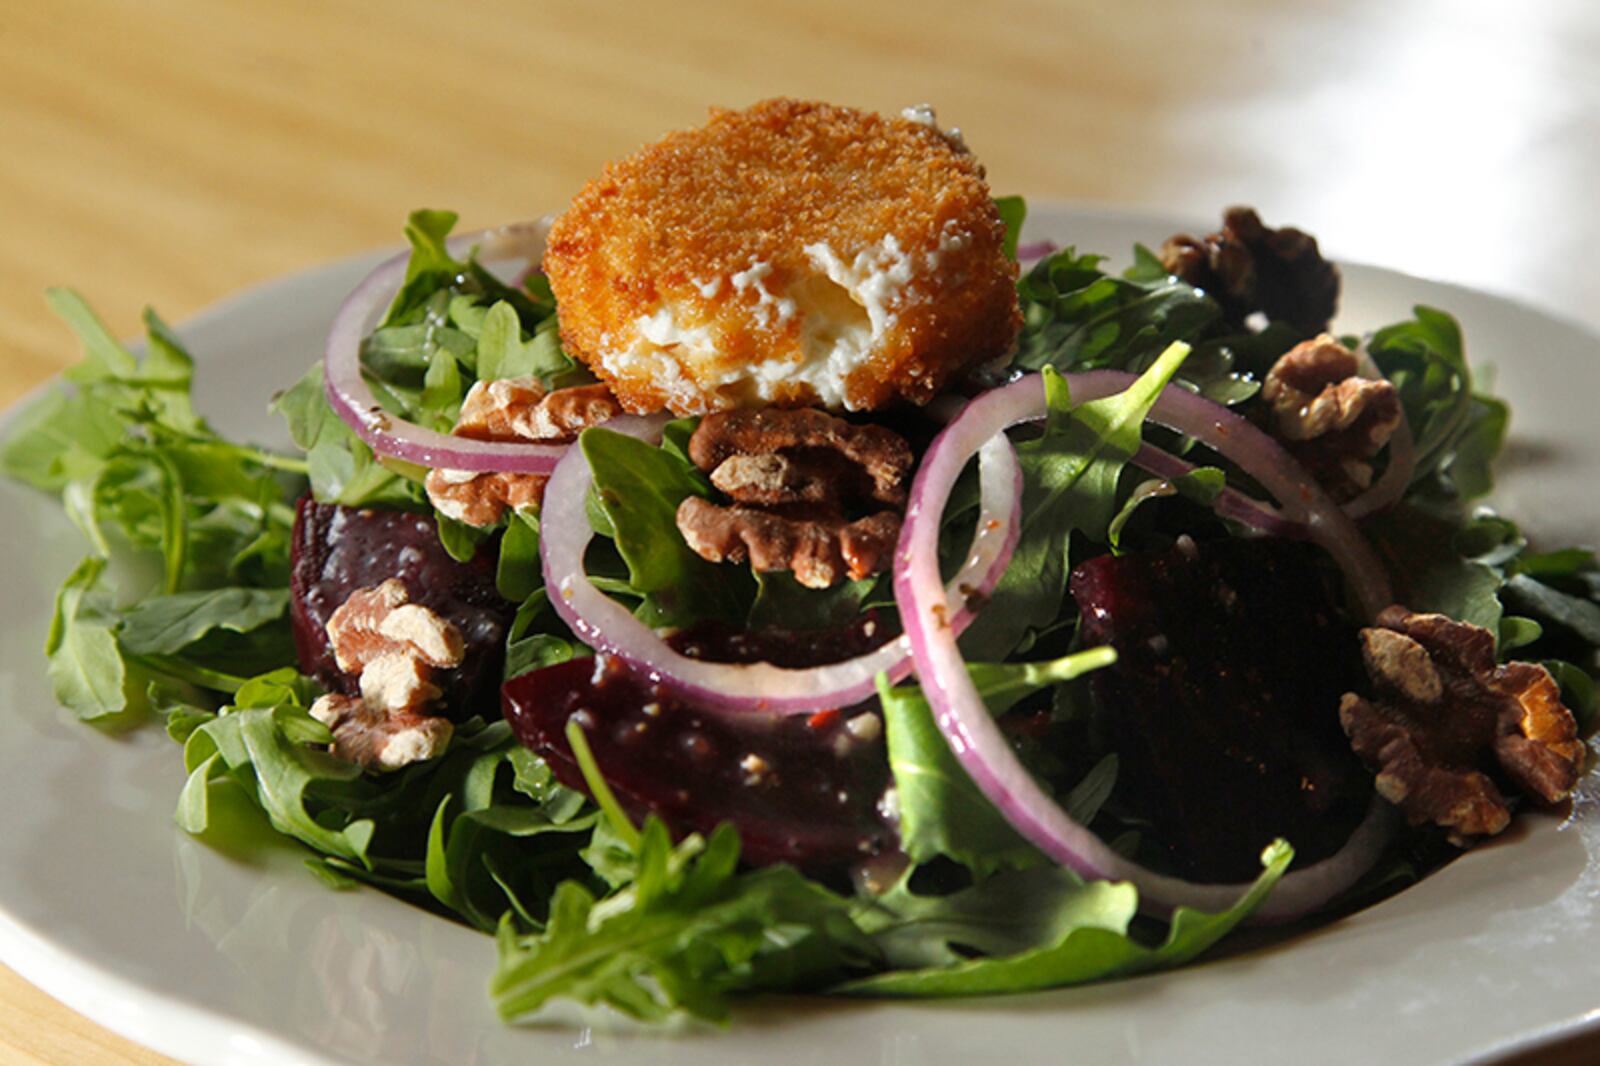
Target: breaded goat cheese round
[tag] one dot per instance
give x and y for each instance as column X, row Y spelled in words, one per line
column 789, row 254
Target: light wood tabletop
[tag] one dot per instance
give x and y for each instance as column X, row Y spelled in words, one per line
column 171, row 152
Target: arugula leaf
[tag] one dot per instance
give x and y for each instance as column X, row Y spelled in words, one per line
column 1579, row 614
column 1011, row 912
column 461, row 861
column 1418, row 548
column 430, row 268
column 1097, row 948
column 685, row 932
column 1070, row 477
column 103, row 355
column 342, row 469
column 502, row 353
column 87, row 672
column 518, row 573
column 1078, row 317
column 262, row 749
column 638, row 487
column 941, row 811
column 1200, row 485
column 60, row 438
column 781, row 602
column 1013, row 211
column 163, row 625
column 1458, row 430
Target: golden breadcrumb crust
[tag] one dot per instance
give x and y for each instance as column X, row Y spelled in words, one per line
column 676, row 224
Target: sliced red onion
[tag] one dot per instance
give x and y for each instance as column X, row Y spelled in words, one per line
column 1034, row 251
column 387, row 435
column 1230, row 502
column 611, row 628
column 959, row 711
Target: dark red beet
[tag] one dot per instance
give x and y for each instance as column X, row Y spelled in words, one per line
column 801, row 789
column 1224, row 701
column 340, row 549
column 794, row 649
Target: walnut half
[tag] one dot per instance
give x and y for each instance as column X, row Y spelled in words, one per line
column 791, row 474
column 513, row 409
column 1330, row 417
column 1446, row 722
column 1248, row 267
column 393, row 645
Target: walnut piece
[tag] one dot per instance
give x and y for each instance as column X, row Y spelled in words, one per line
column 1330, row 417
column 394, row 646
column 1447, row 721
column 375, row 622
column 513, row 409
column 1249, row 267
column 379, row 739
column 791, row 475
column 807, row 434
column 821, row 552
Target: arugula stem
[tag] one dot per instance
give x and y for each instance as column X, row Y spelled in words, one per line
column 174, row 667
column 603, row 796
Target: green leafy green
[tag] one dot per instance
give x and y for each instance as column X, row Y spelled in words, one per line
column 1095, row 948
column 342, row 469
column 1076, row 316
column 163, row 625
column 503, row 353
column 941, row 811
column 87, row 672
column 1070, row 483
column 1200, row 485
column 686, row 931
column 638, row 487
column 1013, row 211
column 1012, row 912
column 1458, row 431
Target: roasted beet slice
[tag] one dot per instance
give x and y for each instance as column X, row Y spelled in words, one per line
column 340, row 549
column 803, row 790
column 794, row 649
column 1224, row 701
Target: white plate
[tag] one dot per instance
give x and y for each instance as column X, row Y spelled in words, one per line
column 248, row 959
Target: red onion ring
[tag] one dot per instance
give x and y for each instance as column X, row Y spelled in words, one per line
column 611, row 628
column 974, row 736
column 387, row 435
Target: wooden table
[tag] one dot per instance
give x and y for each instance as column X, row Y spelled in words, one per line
column 170, row 152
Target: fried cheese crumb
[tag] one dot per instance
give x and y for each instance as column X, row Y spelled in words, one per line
column 790, row 254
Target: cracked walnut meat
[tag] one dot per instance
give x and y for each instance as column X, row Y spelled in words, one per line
column 1248, row 267
column 1330, row 417
column 377, row 738
column 791, row 474
column 513, row 409
column 394, row 646
column 1446, row 723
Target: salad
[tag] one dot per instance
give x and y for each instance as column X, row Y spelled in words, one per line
column 873, row 605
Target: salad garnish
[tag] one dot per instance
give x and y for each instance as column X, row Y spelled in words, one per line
column 775, row 575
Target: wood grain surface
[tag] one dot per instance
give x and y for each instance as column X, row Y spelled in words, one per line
column 170, row 152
